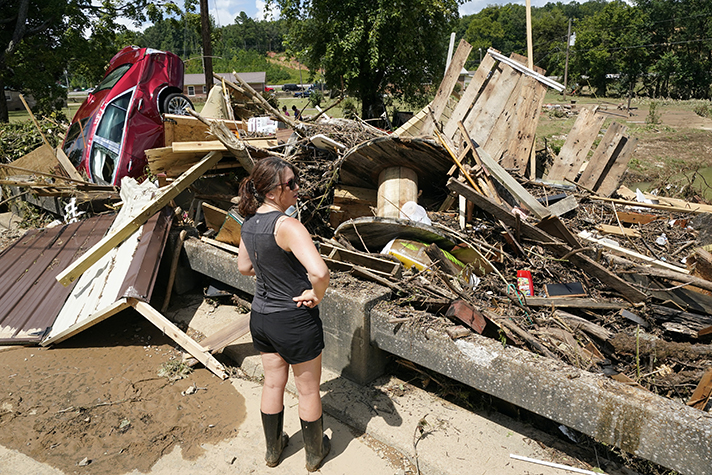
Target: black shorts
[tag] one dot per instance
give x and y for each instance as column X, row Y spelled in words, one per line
column 297, row 335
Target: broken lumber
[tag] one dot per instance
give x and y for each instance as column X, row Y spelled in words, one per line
column 578, row 142
column 246, row 89
column 165, row 195
column 234, row 145
column 673, row 275
column 549, row 242
column 614, row 248
column 447, row 85
column 177, row 335
column 506, row 180
column 701, row 396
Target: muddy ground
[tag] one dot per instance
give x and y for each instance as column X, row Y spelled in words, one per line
column 98, row 399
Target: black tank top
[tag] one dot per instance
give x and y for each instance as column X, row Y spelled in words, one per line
column 280, row 275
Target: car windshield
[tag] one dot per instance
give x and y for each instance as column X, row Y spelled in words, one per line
column 113, row 77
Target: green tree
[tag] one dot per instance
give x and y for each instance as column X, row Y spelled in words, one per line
column 679, row 45
column 609, row 43
column 394, row 46
column 41, row 39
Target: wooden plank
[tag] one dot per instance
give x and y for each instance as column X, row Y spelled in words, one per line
column 617, row 230
column 513, row 134
column 447, row 84
column 585, row 235
column 452, row 74
column 82, row 325
column 636, row 218
column 490, row 105
column 553, row 225
column 578, row 143
column 505, row 124
column 575, row 303
column 521, row 143
column 599, row 164
column 549, row 242
column 415, row 124
column 177, row 335
column 222, row 245
column 562, row 207
column 184, row 128
column 512, row 185
column 67, row 165
column 217, row 146
column 112, row 240
column 694, row 208
column 467, row 100
column 613, row 177
column 214, row 216
column 701, row 396
column 375, row 264
column 669, row 203
column 219, row 340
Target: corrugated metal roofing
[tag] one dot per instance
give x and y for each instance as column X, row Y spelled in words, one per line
column 30, row 296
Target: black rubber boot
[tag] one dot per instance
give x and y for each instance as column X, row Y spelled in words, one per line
column 316, row 444
column 276, row 440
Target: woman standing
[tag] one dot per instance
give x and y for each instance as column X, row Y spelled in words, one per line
column 291, row 279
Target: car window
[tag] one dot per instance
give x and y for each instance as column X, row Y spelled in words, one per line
column 108, row 137
column 75, row 142
column 111, row 126
column 113, row 77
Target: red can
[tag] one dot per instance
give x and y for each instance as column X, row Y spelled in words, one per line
column 524, row 282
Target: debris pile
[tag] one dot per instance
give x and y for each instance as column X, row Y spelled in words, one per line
column 457, row 215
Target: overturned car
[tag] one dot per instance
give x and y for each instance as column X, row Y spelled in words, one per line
column 121, row 117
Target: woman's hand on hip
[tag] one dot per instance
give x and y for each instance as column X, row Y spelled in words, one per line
column 308, row 298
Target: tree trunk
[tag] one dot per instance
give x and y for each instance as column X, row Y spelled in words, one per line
column 4, row 116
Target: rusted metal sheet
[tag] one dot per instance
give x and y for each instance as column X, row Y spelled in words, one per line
column 141, row 276
column 30, row 296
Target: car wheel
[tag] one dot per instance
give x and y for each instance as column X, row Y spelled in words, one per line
column 176, row 103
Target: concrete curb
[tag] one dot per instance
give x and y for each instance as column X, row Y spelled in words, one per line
column 390, row 411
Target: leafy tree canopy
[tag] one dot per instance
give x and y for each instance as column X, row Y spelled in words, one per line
column 41, row 38
column 372, row 47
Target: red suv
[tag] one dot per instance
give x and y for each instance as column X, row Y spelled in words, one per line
column 121, row 117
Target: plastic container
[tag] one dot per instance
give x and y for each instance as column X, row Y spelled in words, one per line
column 410, row 253
column 524, row 282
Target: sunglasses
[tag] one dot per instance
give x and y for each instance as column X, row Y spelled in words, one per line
column 291, row 184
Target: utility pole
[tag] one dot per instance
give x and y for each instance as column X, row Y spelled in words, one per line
column 530, row 46
column 207, row 45
column 566, row 67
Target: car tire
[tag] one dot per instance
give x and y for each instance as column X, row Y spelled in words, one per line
column 176, row 103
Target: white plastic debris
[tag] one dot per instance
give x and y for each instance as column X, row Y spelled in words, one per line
column 414, row 212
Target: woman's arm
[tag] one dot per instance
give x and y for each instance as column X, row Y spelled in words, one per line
column 244, row 264
column 292, row 236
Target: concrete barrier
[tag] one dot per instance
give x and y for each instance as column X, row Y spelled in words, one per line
column 637, row 421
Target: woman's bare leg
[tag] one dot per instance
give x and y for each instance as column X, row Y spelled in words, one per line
column 307, row 377
column 276, row 374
